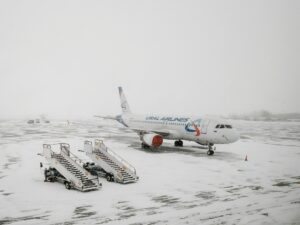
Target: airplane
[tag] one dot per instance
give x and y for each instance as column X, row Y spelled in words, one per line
column 153, row 129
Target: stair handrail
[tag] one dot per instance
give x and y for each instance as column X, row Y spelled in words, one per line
column 118, row 157
column 48, row 146
column 74, row 157
column 128, row 165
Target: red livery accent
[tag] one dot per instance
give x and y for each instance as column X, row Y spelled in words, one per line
column 198, row 131
column 157, row 141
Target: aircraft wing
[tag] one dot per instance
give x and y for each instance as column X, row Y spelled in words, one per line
column 159, row 132
column 106, row 117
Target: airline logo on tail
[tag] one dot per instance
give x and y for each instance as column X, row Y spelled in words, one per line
column 123, row 105
column 192, row 127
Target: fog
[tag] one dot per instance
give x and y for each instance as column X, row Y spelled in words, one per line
column 67, row 58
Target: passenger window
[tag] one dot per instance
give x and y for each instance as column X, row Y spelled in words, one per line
column 222, row 126
column 228, row 126
column 218, row 126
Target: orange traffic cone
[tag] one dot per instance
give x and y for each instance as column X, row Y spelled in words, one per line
column 246, row 158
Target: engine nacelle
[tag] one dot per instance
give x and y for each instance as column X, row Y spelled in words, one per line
column 153, row 140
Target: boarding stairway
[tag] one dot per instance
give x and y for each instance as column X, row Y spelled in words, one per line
column 112, row 163
column 69, row 166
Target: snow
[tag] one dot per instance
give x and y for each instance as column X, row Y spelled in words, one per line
column 177, row 185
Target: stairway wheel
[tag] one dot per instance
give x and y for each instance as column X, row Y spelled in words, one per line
column 67, row 185
column 109, row 178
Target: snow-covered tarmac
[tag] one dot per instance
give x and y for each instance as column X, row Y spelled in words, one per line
column 176, row 186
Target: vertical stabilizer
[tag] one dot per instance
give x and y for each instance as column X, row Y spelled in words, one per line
column 124, row 105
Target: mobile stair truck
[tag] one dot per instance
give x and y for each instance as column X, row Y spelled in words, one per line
column 108, row 164
column 66, row 168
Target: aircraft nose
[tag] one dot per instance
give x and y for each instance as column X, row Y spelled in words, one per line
column 234, row 136
column 231, row 136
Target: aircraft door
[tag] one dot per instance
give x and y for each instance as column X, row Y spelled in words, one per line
column 204, row 126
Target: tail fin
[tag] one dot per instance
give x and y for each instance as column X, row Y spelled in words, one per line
column 124, row 105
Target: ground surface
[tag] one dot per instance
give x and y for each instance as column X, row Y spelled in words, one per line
column 177, row 185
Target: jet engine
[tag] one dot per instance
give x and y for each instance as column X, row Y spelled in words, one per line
column 153, row 140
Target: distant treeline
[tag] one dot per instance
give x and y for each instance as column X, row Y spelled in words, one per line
column 265, row 115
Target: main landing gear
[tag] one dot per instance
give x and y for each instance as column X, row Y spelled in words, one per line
column 178, row 143
column 211, row 149
column 145, row 146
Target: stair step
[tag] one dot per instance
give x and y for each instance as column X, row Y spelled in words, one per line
column 114, row 164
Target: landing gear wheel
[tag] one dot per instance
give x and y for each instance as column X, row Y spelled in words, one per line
column 46, row 174
column 109, row 178
column 178, row 143
column 67, row 185
column 211, row 149
column 210, row 152
column 145, row 146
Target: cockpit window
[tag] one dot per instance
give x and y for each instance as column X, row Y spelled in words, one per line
column 223, row 126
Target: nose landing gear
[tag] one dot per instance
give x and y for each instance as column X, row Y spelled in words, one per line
column 211, row 149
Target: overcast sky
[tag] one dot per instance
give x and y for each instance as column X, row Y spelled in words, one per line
column 67, row 58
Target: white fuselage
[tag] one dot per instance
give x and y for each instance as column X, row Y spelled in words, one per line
column 201, row 130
